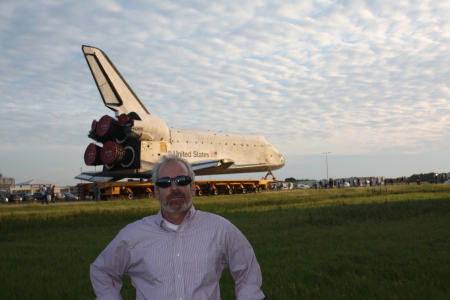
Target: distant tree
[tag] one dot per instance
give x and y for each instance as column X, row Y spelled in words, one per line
column 423, row 177
column 413, row 178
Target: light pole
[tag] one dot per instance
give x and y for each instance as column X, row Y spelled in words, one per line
column 326, row 160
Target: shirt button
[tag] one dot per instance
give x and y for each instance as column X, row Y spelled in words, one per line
column 179, row 276
column 178, row 254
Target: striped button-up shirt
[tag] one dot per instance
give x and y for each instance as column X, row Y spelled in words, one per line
column 185, row 264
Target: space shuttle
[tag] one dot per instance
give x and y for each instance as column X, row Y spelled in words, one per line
column 128, row 143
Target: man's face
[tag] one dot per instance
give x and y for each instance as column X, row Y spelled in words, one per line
column 174, row 199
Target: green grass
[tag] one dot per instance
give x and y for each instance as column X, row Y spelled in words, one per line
column 352, row 243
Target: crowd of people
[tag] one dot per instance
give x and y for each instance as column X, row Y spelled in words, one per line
column 47, row 193
column 354, row 182
column 441, row 178
column 374, row 181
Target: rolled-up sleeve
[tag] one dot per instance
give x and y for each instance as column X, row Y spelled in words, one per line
column 107, row 270
column 244, row 267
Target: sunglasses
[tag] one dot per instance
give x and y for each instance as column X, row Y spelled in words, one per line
column 165, row 182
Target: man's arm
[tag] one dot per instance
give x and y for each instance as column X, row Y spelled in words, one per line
column 243, row 266
column 109, row 267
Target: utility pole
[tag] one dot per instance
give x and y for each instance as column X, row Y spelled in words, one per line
column 326, row 160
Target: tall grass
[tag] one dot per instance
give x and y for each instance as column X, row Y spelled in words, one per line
column 352, row 243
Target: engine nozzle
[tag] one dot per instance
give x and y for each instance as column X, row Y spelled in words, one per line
column 124, row 119
column 92, row 155
column 107, row 128
column 113, row 153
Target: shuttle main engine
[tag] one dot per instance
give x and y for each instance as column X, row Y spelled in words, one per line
column 121, row 140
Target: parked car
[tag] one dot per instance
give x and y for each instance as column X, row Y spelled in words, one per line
column 70, row 196
column 37, row 195
column 60, row 196
column 447, row 181
column 3, row 198
column 15, row 198
column 27, row 197
column 302, row 186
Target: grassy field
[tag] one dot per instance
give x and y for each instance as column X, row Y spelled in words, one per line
column 353, row 243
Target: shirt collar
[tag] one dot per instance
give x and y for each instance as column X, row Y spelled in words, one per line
column 188, row 219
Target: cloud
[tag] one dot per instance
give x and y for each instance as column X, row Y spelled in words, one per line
column 356, row 77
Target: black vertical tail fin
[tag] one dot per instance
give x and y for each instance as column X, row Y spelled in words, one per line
column 115, row 91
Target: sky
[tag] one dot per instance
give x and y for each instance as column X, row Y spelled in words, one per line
column 367, row 81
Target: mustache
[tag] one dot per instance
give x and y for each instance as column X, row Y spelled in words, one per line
column 176, row 194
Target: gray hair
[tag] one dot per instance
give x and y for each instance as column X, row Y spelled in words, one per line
column 169, row 158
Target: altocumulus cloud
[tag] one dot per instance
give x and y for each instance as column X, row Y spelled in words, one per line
column 351, row 77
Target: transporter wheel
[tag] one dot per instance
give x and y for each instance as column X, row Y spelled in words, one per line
column 258, row 189
column 244, row 191
column 215, row 192
column 199, row 193
column 149, row 195
column 230, row 191
column 129, row 196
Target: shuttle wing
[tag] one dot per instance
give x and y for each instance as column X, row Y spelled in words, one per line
column 227, row 166
column 208, row 167
column 116, row 93
column 218, row 165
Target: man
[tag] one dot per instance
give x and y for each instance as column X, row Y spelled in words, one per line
column 96, row 193
column 53, row 193
column 49, row 194
column 208, row 188
column 180, row 252
column 44, row 194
